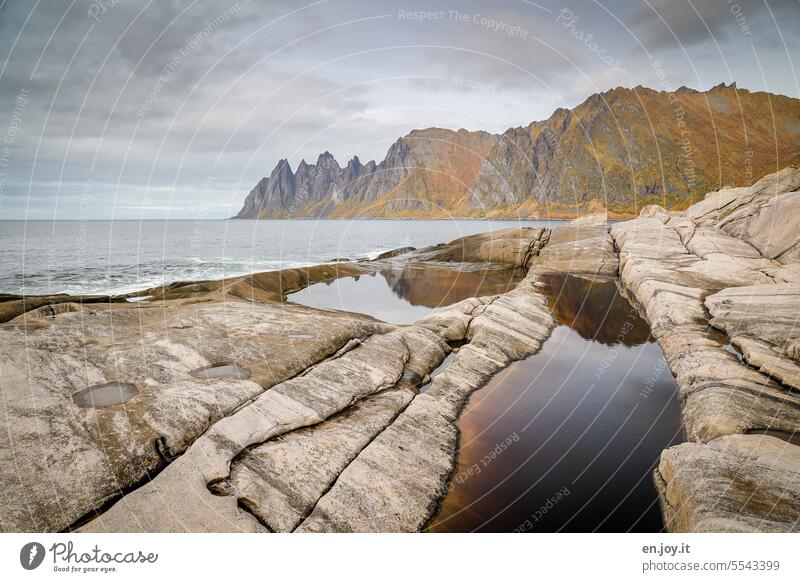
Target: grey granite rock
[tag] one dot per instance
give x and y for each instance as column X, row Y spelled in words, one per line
column 169, row 501
column 395, row 483
column 60, row 461
column 505, row 327
column 763, row 321
column 281, row 480
column 582, row 246
column 510, row 246
column 737, row 483
column 721, row 255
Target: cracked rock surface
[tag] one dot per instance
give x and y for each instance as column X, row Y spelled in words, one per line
column 397, row 447
column 510, row 246
column 582, row 246
column 719, row 264
column 60, row 460
column 348, row 443
column 396, row 482
column 736, row 483
column 763, row 322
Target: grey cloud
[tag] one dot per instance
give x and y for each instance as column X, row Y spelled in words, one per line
column 137, row 124
column 659, row 22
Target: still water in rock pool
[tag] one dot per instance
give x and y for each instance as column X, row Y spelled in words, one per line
column 102, row 395
column 567, row 439
column 403, row 294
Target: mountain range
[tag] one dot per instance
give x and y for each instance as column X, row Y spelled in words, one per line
column 619, row 150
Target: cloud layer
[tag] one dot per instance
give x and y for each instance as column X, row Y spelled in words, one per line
column 174, row 109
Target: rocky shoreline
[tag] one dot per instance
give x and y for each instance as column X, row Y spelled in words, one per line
column 731, row 262
column 320, row 420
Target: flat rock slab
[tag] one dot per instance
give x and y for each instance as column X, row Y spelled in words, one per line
column 280, row 481
column 395, row 483
column 719, row 394
column 763, row 321
column 325, row 390
column 510, row 246
column 582, row 246
column 737, row 483
column 89, row 455
column 766, row 215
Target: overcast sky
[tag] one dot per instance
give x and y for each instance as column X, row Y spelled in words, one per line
column 175, row 108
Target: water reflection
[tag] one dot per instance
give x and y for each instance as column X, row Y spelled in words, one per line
column 595, row 309
column 103, row 395
column 403, row 294
column 567, row 439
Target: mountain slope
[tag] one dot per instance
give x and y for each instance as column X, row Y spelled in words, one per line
column 427, row 169
column 621, row 149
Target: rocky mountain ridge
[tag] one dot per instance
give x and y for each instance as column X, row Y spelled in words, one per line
column 620, row 150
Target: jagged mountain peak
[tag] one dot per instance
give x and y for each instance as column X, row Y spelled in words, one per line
column 282, row 167
column 324, row 157
column 622, row 149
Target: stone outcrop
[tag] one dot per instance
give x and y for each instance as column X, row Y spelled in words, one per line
column 583, row 246
column 60, row 461
column 766, row 215
column 735, row 483
column 396, row 482
column 675, row 266
column 511, row 246
column 323, row 391
column 763, row 323
column 267, row 287
column 386, row 474
column 281, row 480
column 12, row 306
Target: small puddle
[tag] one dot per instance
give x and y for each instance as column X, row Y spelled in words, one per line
column 448, row 359
column 228, row 370
column 732, row 350
column 567, row 439
column 103, row 395
column 724, row 342
column 410, row 378
column 401, row 295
